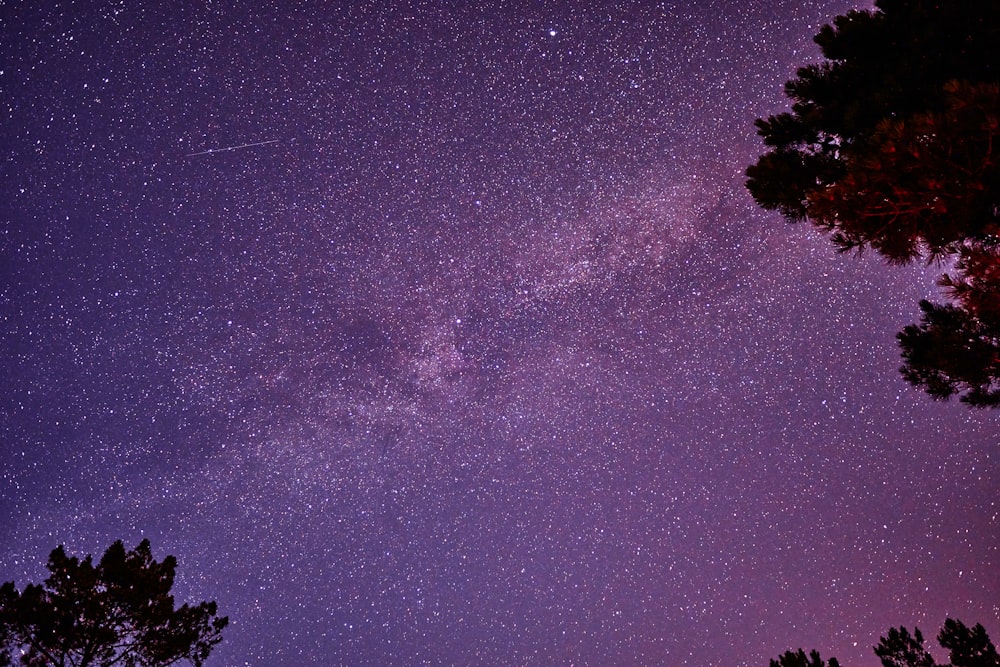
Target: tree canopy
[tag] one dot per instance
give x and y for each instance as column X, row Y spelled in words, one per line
column 799, row 659
column 890, row 145
column 967, row 647
column 116, row 613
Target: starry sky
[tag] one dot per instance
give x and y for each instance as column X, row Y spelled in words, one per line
column 445, row 333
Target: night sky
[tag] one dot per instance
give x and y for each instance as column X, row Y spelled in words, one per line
column 445, row 333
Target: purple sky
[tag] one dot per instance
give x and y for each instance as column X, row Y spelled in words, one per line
column 474, row 350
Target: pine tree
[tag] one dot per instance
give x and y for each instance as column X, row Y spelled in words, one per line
column 118, row 612
column 891, row 145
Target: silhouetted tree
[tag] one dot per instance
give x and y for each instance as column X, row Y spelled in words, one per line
column 956, row 347
column 894, row 79
column 953, row 352
column 891, row 144
column 119, row 612
column 923, row 184
column 968, row 647
column 901, row 649
column 799, row 659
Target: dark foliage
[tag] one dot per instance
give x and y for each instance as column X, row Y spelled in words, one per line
column 119, row 612
column 968, row 647
column 901, row 649
column 799, row 659
column 952, row 352
column 902, row 86
column 891, row 145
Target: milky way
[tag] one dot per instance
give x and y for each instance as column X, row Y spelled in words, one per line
column 446, row 333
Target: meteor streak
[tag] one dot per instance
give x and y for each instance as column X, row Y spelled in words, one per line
column 231, row 148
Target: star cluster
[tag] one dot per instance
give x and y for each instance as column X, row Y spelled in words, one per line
column 445, row 333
